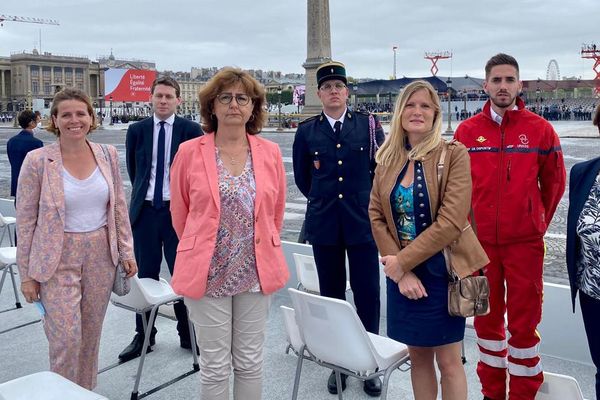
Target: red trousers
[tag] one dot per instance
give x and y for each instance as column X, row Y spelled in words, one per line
column 516, row 286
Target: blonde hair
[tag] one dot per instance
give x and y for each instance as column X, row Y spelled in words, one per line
column 393, row 151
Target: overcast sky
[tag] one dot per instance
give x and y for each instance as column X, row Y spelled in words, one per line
column 271, row 34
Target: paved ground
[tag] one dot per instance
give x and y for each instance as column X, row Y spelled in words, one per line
column 579, row 141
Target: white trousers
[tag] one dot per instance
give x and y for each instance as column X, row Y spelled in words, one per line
column 230, row 332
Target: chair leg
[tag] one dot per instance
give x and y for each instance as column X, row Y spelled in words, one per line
column 195, row 364
column 338, row 382
column 298, row 372
column 4, row 272
column 463, row 355
column 10, row 236
column 134, row 393
column 14, row 285
column 385, row 384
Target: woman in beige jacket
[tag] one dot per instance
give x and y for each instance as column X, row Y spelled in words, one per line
column 411, row 229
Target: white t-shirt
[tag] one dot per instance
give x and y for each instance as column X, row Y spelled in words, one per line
column 86, row 202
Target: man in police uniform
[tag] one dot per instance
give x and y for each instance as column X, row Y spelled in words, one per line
column 334, row 161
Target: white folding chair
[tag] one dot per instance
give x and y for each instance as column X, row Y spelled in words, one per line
column 559, row 387
column 45, row 385
column 8, row 260
column 291, row 328
column 148, row 295
column 333, row 336
column 5, row 224
column 306, row 271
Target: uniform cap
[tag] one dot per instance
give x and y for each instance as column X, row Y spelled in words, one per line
column 331, row 70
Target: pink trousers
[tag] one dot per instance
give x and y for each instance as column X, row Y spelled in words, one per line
column 75, row 298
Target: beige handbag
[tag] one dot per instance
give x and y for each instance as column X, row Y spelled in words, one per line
column 470, row 295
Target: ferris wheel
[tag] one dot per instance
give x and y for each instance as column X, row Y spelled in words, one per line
column 552, row 72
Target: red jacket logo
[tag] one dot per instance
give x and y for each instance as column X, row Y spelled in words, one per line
column 524, row 139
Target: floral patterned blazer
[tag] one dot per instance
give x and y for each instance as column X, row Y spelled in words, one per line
column 41, row 211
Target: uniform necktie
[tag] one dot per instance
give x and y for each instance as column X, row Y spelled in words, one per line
column 337, row 127
column 157, row 202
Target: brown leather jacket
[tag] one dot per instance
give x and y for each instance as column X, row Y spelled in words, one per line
column 448, row 221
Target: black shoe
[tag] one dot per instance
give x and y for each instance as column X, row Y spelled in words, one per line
column 331, row 384
column 134, row 349
column 372, row 387
column 185, row 343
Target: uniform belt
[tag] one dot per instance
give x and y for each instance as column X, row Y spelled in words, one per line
column 404, row 243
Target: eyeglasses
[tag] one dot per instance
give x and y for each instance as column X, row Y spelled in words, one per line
column 328, row 87
column 241, row 99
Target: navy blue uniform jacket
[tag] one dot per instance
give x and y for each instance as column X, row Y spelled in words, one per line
column 17, row 148
column 138, row 146
column 581, row 179
column 336, row 175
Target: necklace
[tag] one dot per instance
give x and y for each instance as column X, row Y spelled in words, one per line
column 233, row 158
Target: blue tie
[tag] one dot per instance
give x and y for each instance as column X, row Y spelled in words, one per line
column 157, row 202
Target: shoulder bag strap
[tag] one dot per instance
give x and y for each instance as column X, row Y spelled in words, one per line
column 108, row 158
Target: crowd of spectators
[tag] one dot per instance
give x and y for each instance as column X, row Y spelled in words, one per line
column 555, row 112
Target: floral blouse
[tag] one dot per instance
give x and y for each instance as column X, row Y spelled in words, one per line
column 232, row 269
column 588, row 230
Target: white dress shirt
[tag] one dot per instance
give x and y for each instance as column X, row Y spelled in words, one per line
column 333, row 121
column 168, row 135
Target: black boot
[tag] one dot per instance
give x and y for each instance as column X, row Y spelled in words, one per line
column 372, row 387
column 331, row 384
column 134, row 349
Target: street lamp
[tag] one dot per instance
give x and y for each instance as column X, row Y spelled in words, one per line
column 110, row 98
column 355, row 90
column 279, row 128
column 15, row 107
column 449, row 130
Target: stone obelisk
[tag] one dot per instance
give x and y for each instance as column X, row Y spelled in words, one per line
column 318, row 46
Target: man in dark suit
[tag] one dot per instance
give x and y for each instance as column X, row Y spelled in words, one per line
column 334, row 164
column 151, row 145
column 19, row 145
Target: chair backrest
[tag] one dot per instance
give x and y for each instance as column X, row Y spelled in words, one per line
column 559, row 387
column 306, row 270
column 333, row 332
column 45, row 385
column 7, row 208
column 144, row 293
column 291, row 327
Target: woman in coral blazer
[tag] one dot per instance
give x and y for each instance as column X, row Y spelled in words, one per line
column 227, row 204
column 67, row 209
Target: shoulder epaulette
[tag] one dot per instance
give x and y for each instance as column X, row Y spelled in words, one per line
column 309, row 119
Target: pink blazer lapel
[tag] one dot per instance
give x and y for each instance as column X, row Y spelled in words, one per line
column 207, row 147
column 258, row 164
column 54, row 177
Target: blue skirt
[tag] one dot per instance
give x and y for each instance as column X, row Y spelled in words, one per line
column 424, row 322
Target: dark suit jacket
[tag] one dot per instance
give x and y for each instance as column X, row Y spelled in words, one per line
column 138, row 145
column 581, row 179
column 17, row 148
column 336, row 175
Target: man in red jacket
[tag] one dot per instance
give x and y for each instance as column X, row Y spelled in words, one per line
column 518, row 180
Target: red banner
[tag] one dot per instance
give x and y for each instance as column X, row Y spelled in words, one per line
column 128, row 84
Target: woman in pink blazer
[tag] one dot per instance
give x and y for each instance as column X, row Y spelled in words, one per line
column 67, row 209
column 227, row 204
